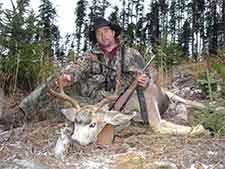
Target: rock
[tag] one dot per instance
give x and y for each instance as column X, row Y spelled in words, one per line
column 181, row 112
column 186, row 86
column 165, row 164
column 178, row 113
column 28, row 164
column 62, row 144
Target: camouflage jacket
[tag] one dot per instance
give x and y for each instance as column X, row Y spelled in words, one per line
column 90, row 76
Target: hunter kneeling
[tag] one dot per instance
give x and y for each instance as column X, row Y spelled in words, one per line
column 101, row 75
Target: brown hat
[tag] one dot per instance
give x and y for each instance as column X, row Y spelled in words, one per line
column 100, row 22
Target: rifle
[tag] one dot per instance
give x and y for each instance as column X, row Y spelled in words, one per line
column 122, row 100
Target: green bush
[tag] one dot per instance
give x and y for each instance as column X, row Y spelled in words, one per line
column 24, row 70
column 207, row 82
column 214, row 120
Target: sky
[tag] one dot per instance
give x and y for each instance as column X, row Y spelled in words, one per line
column 65, row 10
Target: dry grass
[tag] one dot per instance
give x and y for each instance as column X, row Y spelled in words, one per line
column 164, row 77
column 193, row 68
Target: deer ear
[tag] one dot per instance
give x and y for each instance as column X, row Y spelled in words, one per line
column 117, row 118
column 70, row 113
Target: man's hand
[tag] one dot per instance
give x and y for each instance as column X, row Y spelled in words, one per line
column 66, row 77
column 142, row 80
column 66, row 80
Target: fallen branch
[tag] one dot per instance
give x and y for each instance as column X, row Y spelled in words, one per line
column 175, row 97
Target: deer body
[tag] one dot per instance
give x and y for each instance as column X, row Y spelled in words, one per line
column 89, row 120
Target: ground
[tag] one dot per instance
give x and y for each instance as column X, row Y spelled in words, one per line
column 31, row 146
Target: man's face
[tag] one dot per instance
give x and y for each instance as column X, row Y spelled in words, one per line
column 105, row 36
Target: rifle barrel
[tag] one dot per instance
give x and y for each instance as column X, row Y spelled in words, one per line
column 149, row 62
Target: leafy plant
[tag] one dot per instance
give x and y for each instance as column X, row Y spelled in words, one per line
column 214, row 120
column 172, row 53
column 221, row 55
column 220, row 70
column 208, row 83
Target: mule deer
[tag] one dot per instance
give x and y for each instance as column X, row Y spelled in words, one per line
column 89, row 120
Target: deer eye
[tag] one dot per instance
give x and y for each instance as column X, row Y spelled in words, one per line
column 92, row 125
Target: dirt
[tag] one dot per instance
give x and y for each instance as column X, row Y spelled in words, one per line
column 135, row 148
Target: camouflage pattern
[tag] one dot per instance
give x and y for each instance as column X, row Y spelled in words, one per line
column 90, row 77
column 93, row 78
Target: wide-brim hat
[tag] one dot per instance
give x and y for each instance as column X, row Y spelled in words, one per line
column 100, row 22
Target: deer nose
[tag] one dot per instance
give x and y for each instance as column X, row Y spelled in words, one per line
column 81, row 141
column 74, row 137
column 76, row 142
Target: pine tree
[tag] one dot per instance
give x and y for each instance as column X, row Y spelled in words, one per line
column 86, row 37
column 56, row 40
column 2, row 49
column 223, row 20
column 46, row 23
column 97, row 9
column 134, row 12
column 173, row 20
column 180, row 8
column 20, row 47
column 140, row 32
column 148, row 28
column 123, row 17
column 129, row 11
column 198, row 28
column 194, row 29
column 163, row 4
column 185, row 37
column 80, row 13
column 139, row 9
column 212, row 23
column 114, row 16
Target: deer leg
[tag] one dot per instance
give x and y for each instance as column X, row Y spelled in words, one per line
column 162, row 126
column 165, row 127
column 154, row 115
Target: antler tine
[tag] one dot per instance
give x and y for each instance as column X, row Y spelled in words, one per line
column 62, row 95
column 113, row 97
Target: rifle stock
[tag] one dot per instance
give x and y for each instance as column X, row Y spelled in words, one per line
column 125, row 96
column 123, row 99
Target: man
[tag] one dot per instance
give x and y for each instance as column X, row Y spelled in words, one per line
column 96, row 71
column 108, row 49
column 95, row 74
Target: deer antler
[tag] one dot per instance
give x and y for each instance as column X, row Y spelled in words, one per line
column 62, row 95
column 113, row 97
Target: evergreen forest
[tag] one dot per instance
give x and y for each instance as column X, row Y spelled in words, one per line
column 30, row 43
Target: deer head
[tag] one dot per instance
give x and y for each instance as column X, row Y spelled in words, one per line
column 89, row 120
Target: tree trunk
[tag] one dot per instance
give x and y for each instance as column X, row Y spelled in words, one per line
column 193, row 29
column 223, row 11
